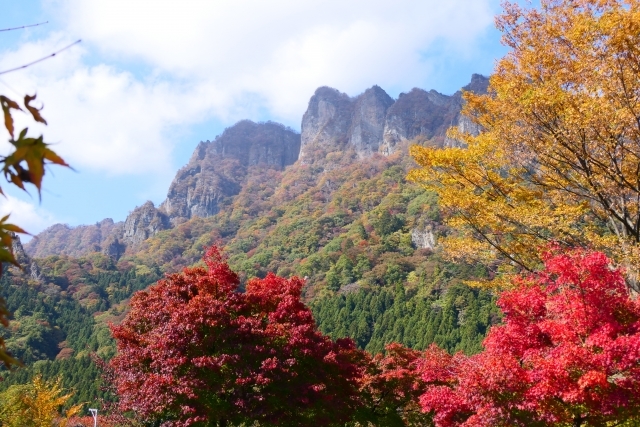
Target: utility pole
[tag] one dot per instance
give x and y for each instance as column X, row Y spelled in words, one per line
column 94, row 412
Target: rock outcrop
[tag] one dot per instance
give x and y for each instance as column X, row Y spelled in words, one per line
column 424, row 238
column 478, row 84
column 374, row 123
column 114, row 248
column 143, row 222
column 337, row 122
column 29, row 267
column 217, row 169
column 419, row 114
column 368, row 121
column 327, row 120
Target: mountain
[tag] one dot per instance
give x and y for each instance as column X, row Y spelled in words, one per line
column 374, row 123
column 330, row 205
column 335, row 130
column 74, row 241
column 218, row 169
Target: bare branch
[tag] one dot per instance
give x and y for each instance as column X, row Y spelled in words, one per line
column 24, row 26
column 40, row 60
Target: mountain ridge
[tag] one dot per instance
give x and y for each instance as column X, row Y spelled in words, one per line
column 345, row 219
column 334, row 124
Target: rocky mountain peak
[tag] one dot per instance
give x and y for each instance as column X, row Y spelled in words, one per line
column 143, row 222
column 338, row 122
column 373, row 122
column 327, row 119
column 217, row 168
column 419, row 113
column 478, row 84
column 367, row 121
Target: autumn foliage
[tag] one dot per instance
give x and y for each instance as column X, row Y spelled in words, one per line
column 559, row 153
column 390, row 389
column 195, row 351
column 568, row 352
column 36, row 404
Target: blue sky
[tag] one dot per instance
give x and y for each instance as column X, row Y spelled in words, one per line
column 151, row 79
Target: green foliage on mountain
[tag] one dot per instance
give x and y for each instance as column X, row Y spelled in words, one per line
column 346, row 226
column 437, row 309
column 336, row 221
column 343, row 224
column 58, row 322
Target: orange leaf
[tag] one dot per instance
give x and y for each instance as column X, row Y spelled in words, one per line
column 54, row 158
column 35, row 112
column 14, row 228
column 7, row 105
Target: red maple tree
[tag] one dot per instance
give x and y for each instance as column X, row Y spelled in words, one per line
column 567, row 353
column 194, row 350
column 390, row 388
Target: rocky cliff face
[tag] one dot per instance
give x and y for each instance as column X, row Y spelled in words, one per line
column 217, row 169
column 368, row 121
column 478, row 84
column 29, row 267
column 327, row 119
column 419, row 113
column 374, row 123
column 424, row 238
column 143, row 222
column 336, row 127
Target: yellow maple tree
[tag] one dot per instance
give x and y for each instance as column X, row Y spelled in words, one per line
column 35, row 404
column 558, row 159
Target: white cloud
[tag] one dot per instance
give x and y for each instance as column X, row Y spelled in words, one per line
column 105, row 119
column 31, row 218
column 183, row 35
column 222, row 59
column 280, row 51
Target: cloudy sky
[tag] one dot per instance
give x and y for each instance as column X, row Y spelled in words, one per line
column 127, row 106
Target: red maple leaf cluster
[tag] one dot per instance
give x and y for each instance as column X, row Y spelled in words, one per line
column 390, row 389
column 196, row 351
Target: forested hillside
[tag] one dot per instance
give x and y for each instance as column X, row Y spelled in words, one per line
column 61, row 320
column 355, row 230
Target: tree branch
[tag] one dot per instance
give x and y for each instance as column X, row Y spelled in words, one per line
column 24, row 26
column 40, row 60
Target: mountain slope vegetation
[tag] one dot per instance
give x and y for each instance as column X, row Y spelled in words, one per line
column 363, row 239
